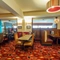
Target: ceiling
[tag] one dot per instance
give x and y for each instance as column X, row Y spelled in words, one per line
column 32, row 6
column 2, row 10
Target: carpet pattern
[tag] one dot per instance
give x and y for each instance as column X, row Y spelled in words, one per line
column 39, row 52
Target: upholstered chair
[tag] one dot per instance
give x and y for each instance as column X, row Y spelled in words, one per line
column 30, row 42
column 18, row 43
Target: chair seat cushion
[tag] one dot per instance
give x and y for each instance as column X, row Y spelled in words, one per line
column 49, row 40
column 19, row 42
column 28, row 43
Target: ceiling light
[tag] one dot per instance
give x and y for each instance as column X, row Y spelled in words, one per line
column 53, row 6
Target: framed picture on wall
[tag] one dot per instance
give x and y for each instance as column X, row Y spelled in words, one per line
column 28, row 26
column 19, row 27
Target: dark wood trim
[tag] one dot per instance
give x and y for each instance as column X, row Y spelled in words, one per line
column 42, row 23
column 35, row 11
column 32, row 25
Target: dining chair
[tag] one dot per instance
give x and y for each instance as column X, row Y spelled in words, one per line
column 30, row 42
column 18, row 43
column 1, row 37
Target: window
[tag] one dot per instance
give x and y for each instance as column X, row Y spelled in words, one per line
column 42, row 26
column 44, row 23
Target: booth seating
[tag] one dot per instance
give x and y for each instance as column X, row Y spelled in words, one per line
column 20, row 34
column 26, row 32
column 45, row 39
column 30, row 42
column 54, row 35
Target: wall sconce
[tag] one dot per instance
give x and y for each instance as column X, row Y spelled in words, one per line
column 56, row 20
column 53, row 6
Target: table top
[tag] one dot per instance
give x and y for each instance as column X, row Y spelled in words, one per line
column 25, row 37
column 54, row 35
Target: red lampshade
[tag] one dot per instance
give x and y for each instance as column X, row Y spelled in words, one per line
column 53, row 6
column 53, row 9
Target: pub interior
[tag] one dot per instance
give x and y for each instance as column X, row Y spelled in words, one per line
column 29, row 30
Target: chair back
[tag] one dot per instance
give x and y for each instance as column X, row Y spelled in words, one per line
column 32, row 38
column 1, row 37
column 16, row 36
column 30, row 43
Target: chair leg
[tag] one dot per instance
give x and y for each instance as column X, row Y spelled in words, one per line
column 32, row 46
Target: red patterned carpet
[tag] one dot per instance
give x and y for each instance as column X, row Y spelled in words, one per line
column 39, row 52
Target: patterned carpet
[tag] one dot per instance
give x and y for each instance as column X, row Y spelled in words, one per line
column 39, row 52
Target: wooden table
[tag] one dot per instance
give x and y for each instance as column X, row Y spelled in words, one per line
column 24, row 38
column 57, row 37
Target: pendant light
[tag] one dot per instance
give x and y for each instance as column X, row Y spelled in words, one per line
column 53, row 6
